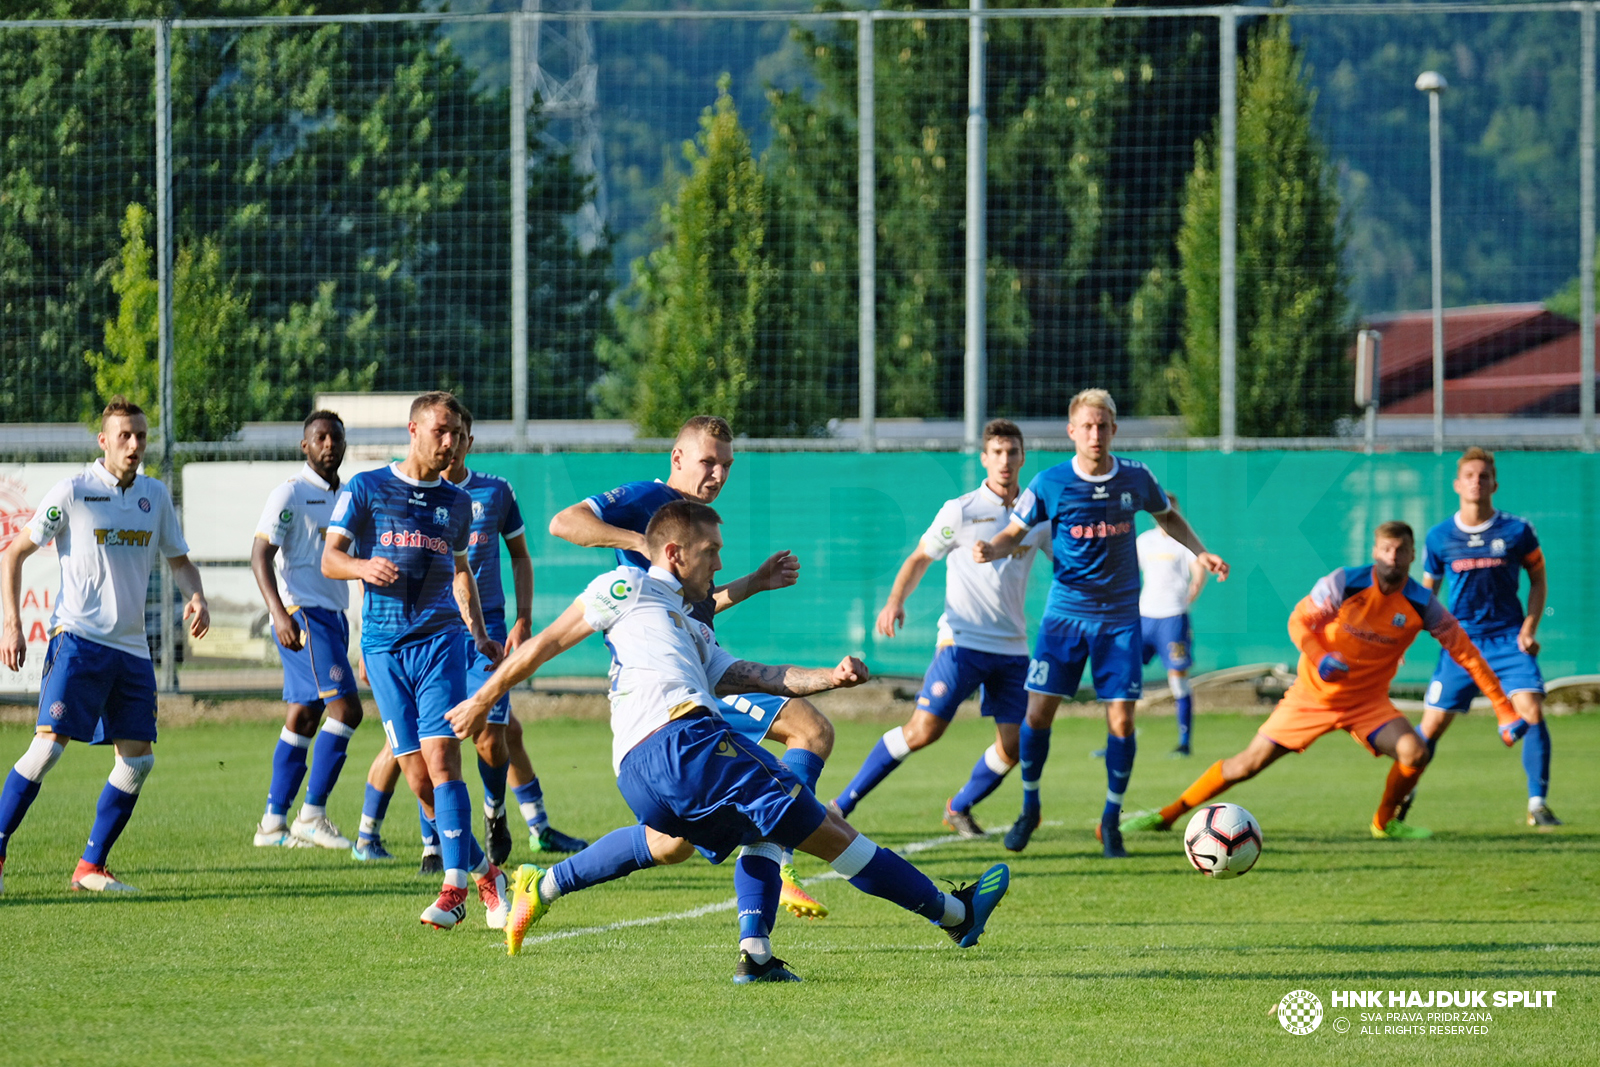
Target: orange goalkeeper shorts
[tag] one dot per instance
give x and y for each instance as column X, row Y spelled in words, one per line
column 1298, row 721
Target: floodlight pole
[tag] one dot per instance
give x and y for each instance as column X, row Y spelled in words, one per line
column 519, row 231
column 1228, row 322
column 1586, row 232
column 1433, row 83
column 977, row 361
column 164, row 346
column 867, row 233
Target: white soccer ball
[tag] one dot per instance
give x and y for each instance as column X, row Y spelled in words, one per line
column 1222, row 840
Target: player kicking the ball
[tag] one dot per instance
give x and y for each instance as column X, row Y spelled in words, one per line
column 1352, row 632
column 1480, row 552
column 404, row 532
column 701, row 463
column 690, row 778
column 308, row 620
column 983, row 634
column 109, row 525
column 1092, row 615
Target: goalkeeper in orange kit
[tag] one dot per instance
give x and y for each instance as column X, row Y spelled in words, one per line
column 1352, row 632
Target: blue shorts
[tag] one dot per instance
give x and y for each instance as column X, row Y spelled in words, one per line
column 751, row 714
column 956, row 673
column 1171, row 639
column 1065, row 645
column 479, row 669
column 1452, row 688
column 415, row 685
column 696, row 779
column 95, row 693
column 320, row 671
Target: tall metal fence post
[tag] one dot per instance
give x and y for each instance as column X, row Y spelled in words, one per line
column 867, row 232
column 1436, row 214
column 1586, row 231
column 164, row 351
column 1227, row 401
column 519, row 231
column 977, row 361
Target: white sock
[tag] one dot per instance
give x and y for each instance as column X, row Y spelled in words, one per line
column 1535, row 803
column 787, row 858
column 371, row 826
column 533, row 814
column 271, row 821
column 430, row 850
column 311, row 813
column 955, row 912
column 493, row 811
column 895, row 742
column 548, row 890
column 455, row 878
column 759, row 948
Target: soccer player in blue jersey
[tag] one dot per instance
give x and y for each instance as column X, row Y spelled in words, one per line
column 109, row 524
column 1092, row 615
column 404, row 532
column 693, row 781
column 495, row 516
column 701, row 461
column 1480, row 553
column 983, row 633
column 308, row 620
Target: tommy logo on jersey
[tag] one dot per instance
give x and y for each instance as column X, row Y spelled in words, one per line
column 123, row 538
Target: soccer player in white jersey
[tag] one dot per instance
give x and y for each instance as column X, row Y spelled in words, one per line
column 109, row 524
column 1173, row 578
column 1092, row 615
column 691, row 778
column 983, row 635
column 701, row 461
column 308, row 620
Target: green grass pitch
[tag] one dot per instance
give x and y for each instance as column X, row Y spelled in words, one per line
column 238, row 955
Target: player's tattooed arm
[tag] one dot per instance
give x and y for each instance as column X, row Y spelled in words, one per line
column 465, row 588
column 784, row 680
column 780, row 571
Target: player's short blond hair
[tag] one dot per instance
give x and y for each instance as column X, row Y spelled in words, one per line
column 1092, row 398
column 713, row 426
column 119, row 405
column 1479, row 454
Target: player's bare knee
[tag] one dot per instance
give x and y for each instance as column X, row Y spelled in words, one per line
column 829, row 840
column 1119, row 718
column 346, row 710
column 491, row 745
column 302, row 719
column 806, row 727
column 922, row 731
column 1529, row 705
column 1411, row 750
column 665, row 849
column 513, row 732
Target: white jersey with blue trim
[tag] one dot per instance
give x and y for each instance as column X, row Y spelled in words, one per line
column 983, row 602
column 108, row 539
column 664, row 663
column 296, row 519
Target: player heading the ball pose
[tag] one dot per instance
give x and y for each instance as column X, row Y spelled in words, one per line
column 404, row 531
column 701, row 462
column 109, row 524
column 983, row 633
column 690, row 778
column 1480, row 553
column 1092, row 615
column 1352, row 632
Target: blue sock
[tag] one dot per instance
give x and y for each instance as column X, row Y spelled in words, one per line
column 616, row 855
column 374, row 809
column 756, row 886
column 288, row 771
column 1536, row 758
column 1119, row 768
column 110, row 816
column 1433, row 745
column 1517, row 728
column 889, row 876
column 327, row 760
column 494, row 784
column 474, row 850
column 452, row 813
column 1185, row 720
column 806, row 764
column 530, row 801
column 874, row 769
column 1034, row 749
column 983, row 781
column 430, row 832
column 14, row 800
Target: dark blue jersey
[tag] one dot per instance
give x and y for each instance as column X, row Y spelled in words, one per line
column 630, row 507
column 494, row 515
column 1481, row 567
column 421, row 527
column 1096, row 560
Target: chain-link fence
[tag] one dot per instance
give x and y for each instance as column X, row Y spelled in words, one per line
column 1194, row 207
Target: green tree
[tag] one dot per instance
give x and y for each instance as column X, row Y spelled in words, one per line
column 1292, row 308
column 702, row 329
column 211, row 329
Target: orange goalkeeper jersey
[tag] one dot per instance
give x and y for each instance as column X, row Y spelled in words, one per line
column 1348, row 614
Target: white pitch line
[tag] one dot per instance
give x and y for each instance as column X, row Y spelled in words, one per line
column 728, row 905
